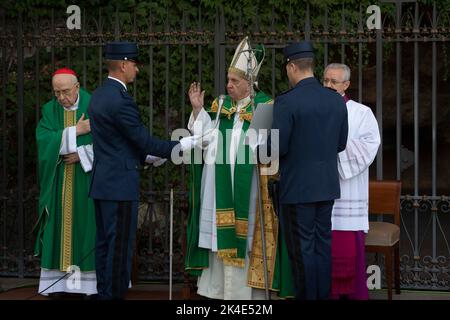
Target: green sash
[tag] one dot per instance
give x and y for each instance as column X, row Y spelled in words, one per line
column 232, row 204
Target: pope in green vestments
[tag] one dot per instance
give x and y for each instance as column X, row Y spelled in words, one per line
column 223, row 225
column 65, row 229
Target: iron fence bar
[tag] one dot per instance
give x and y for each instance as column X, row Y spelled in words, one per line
column 255, row 24
column 272, row 28
column 325, row 43
column 290, row 20
column 183, row 92
column 307, row 23
column 360, row 56
column 433, row 129
column 150, row 111
column 219, row 52
column 83, row 28
column 20, row 141
column 410, row 197
column 166, row 124
column 100, row 43
column 379, row 100
column 167, row 93
column 273, row 73
column 217, row 42
column 277, row 43
column 343, row 32
column 434, row 104
column 37, row 83
column 116, row 25
column 199, row 49
column 416, row 136
column 52, row 39
column 135, row 39
column 4, row 133
column 37, row 72
column 240, row 24
column 222, row 71
column 398, row 93
column 184, row 212
column 379, row 108
column 150, row 227
column 150, row 101
column 68, row 57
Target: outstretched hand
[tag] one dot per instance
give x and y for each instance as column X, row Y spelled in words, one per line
column 196, row 96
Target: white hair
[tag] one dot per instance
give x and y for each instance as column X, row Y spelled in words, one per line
column 341, row 66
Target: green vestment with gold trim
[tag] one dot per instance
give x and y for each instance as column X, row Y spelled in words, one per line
column 65, row 230
column 232, row 210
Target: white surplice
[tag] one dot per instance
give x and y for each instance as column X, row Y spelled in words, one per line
column 350, row 212
column 221, row 281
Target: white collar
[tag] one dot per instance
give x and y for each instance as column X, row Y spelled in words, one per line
column 75, row 105
column 242, row 103
column 124, row 85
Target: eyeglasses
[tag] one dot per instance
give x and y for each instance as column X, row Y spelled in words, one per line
column 65, row 92
column 332, row 81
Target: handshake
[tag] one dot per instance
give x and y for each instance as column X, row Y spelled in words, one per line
column 186, row 143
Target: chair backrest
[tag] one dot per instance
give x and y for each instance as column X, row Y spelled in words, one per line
column 384, row 198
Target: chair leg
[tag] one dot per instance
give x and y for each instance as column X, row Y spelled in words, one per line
column 397, row 269
column 186, row 290
column 388, row 259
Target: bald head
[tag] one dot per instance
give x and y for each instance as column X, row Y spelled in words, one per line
column 65, row 88
column 64, row 79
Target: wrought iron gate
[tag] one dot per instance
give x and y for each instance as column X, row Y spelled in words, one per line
column 400, row 70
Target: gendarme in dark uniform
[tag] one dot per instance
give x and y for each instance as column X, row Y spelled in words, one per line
column 121, row 143
column 312, row 124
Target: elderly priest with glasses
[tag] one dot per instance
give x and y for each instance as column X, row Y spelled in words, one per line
column 65, row 228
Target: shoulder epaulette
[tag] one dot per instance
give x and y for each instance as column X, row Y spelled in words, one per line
column 287, row 91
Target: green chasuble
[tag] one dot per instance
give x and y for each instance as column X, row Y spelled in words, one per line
column 65, row 229
column 232, row 206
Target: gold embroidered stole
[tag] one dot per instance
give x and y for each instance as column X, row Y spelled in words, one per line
column 255, row 277
column 67, row 203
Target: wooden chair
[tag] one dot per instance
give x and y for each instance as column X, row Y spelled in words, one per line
column 384, row 237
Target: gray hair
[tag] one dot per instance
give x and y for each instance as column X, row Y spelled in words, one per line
column 341, row 66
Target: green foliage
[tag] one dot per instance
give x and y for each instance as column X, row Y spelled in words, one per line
column 176, row 65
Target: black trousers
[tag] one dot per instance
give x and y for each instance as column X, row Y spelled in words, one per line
column 307, row 231
column 116, row 233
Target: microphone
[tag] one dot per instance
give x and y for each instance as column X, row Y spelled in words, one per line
column 219, row 109
column 216, row 120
